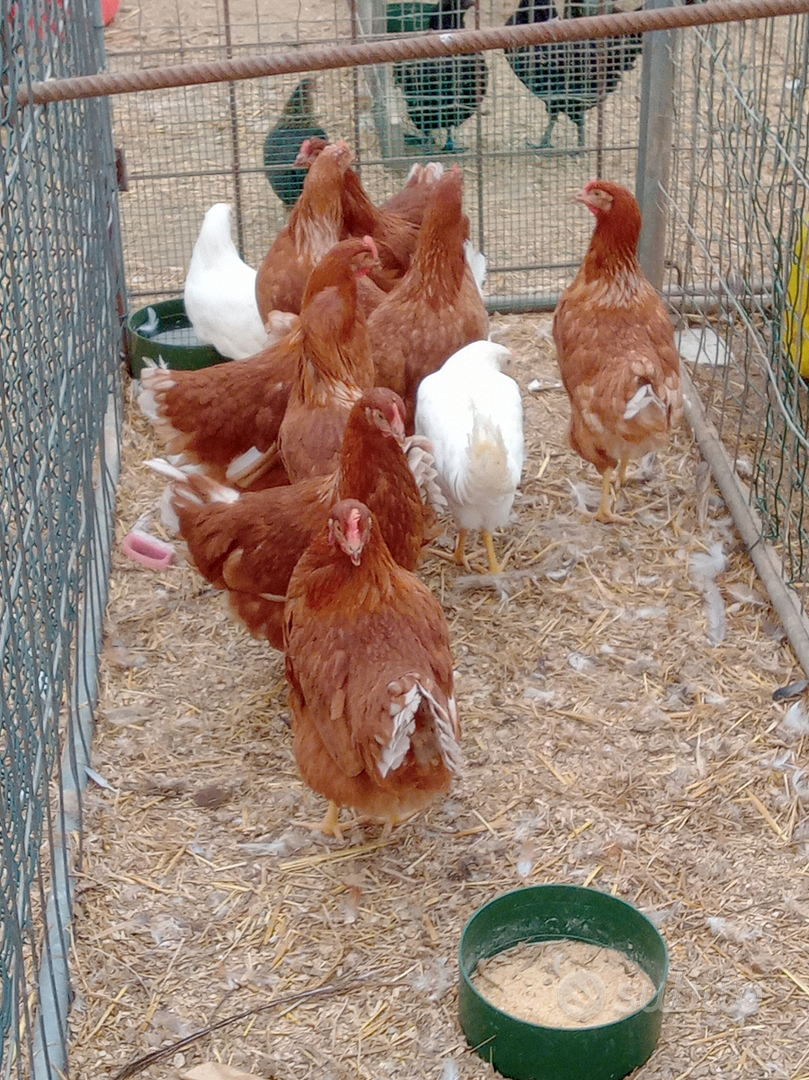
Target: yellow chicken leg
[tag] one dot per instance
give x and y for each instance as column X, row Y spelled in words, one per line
column 330, row 825
column 604, row 512
column 494, row 564
column 460, row 551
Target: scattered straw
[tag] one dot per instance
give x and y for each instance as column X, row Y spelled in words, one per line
column 605, row 741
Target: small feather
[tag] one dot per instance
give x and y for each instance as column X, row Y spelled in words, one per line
column 796, row 719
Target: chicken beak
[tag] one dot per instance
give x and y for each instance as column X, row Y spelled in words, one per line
column 579, row 197
column 356, row 557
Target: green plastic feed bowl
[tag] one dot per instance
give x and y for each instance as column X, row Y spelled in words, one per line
column 527, row 1051
column 172, row 340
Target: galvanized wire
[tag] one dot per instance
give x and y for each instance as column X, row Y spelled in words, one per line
column 738, row 200
column 736, row 196
column 60, row 270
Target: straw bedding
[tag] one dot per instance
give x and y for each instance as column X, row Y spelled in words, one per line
column 606, row 743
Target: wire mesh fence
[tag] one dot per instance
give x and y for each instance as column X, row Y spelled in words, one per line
column 737, row 204
column 61, row 300
column 188, row 148
column 737, row 243
column 735, row 200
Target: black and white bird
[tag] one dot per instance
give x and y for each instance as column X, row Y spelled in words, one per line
column 441, row 94
column 572, row 76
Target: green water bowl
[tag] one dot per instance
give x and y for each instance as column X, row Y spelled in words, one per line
column 526, row 1051
column 408, row 18
column 173, row 340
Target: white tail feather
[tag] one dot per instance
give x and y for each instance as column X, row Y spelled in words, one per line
column 244, row 464
column 476, row 262
column 404, row 725
column 160, row 465
column 641, row 400
column 419, row 452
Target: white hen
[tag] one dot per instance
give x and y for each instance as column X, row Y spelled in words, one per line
column 472, row 413
column 220, row 291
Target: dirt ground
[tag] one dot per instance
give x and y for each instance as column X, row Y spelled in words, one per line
column 607, row 743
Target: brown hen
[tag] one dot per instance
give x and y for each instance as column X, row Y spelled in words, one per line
column 411, row 202
column 394, row 236
column 227, row 418
column 248, row 544
column 436, row 309
column 335, row 367
column 615, row 346
column 314, row 227
column 370, row 674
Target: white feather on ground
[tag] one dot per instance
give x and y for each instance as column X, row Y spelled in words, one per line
column 472, row 413
column 220, row 291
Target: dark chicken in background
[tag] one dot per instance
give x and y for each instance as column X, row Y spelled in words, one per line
column 570, row 77
column 441, row 94
column 296, row 123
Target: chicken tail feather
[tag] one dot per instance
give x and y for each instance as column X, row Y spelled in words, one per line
column 419, row 452
column 643, row 399
column 408, row 695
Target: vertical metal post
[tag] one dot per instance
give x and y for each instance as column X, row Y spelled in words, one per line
column 654, row 149
column 479, row 158
column 355, row 88
column 601, row 70
column 373, row 22
column 234, row 135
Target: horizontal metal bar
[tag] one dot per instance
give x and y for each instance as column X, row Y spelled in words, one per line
column 410, row 47
column 404, row 161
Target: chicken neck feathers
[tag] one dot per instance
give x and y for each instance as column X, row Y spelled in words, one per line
column 314, row 227
column 436, row 308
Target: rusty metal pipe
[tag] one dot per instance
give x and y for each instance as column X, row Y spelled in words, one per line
column 411, row 47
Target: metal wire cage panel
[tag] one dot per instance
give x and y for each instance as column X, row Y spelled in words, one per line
column 738, row 207
column 188, row 148
column 59, row 358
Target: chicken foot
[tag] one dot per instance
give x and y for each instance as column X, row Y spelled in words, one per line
column 460, row 558
column 460, row 551
column 330, row 825
column 545, row 142
column 604, row 513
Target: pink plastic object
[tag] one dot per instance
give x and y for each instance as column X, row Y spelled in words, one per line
column 151, row 553
column 109, row 9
